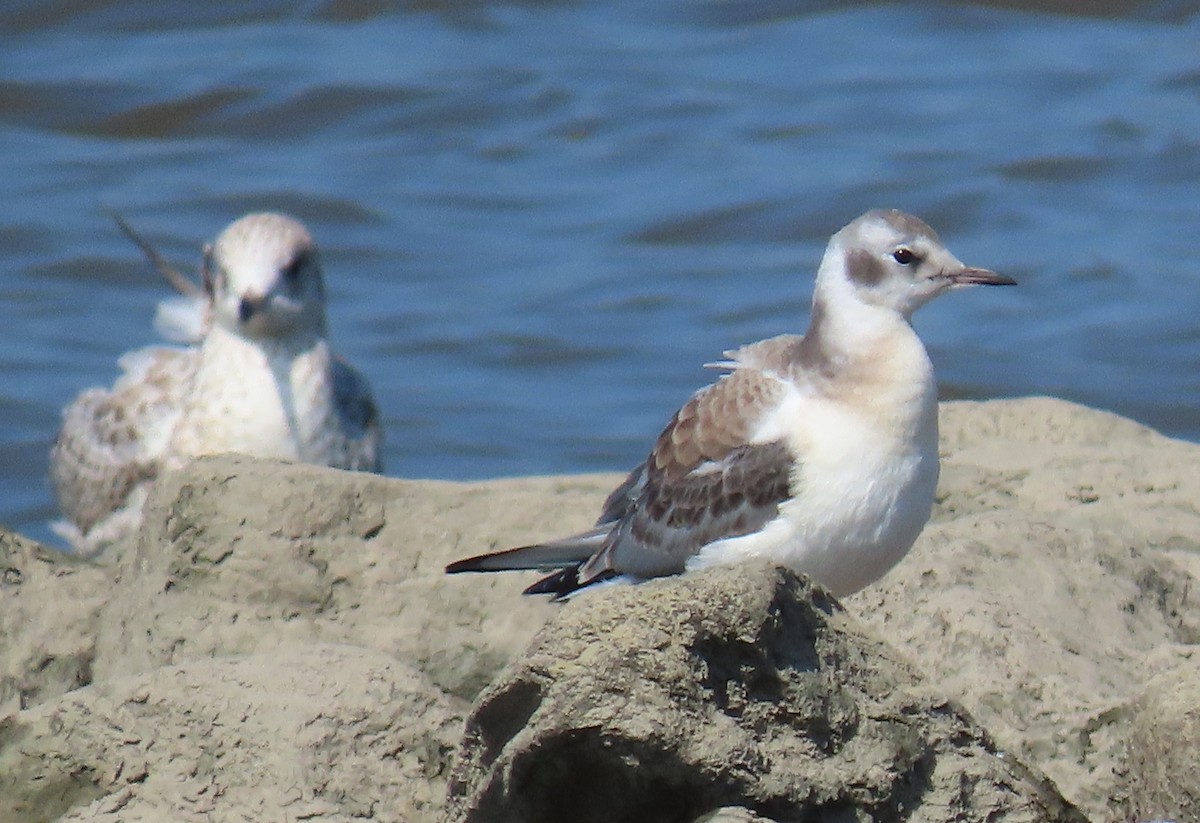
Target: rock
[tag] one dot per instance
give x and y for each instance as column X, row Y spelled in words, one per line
column 733, row 814
column 1163, row 744
column 240, row 554
column 1057, row 575
column 49, row 603
column 744, row 687
column 319, row 733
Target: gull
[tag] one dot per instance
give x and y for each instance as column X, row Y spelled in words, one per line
column 259, row 379
column 817, row 452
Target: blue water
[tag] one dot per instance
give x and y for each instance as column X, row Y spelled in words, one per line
column 539, row 219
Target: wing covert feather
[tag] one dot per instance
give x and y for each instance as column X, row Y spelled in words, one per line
column 112, row 441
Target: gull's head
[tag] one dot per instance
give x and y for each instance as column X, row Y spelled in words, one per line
column 890, row 259
column 264, row 278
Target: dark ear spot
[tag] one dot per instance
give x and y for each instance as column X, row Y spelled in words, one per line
column 864, row 268
column 291, row 272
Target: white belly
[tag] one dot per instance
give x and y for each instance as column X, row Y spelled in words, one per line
column 863, row 492
column 250, row 420
column 242, row 401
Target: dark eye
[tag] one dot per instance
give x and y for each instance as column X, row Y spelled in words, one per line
column 291, row 272
column 903, row 256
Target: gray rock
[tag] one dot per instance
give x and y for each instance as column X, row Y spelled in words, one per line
column 1164, row 744
column 735, row 687
column 1057, row 576
column 733, row 814
column 239, row 555
column 49, row 603
column 319, row 733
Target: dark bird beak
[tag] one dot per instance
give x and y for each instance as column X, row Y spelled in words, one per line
column 979, row 277
column 250, row 306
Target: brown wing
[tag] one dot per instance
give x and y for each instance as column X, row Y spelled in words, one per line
column 715, row 419
column 703, row 482
column 112, row 440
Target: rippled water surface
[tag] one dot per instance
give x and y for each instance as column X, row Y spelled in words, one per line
column 539, row 219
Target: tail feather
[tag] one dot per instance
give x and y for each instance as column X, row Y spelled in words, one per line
column 565, row 582
column 559, row 584
column 570, row 551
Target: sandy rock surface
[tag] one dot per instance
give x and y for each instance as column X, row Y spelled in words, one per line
column 1164, row 745
column 1058, row 577
column 733, row 814
column 316, row 732
column 743, row 686
column 49, row 605
column 240, row 555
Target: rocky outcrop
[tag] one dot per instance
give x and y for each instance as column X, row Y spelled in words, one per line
column 239, row 555
column 262, row 602
column 1058, row 575
column 1164, row 742
column 49, row 607
column 317, row 732
column 744, row 686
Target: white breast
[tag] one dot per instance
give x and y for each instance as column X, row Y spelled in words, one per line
column 863, row 490
column 250, row 400
column 863, row 497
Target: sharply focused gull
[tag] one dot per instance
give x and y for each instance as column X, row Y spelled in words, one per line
column 261, row 379
column 818, row 452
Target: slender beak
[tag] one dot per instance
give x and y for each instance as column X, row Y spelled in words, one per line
column 250, row 306
column 979, row 277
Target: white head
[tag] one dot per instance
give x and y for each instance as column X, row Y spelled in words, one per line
column 892, row 260
column 264, row 278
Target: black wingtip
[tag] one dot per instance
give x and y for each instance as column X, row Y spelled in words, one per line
column 565, row 582
column 560, row 584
